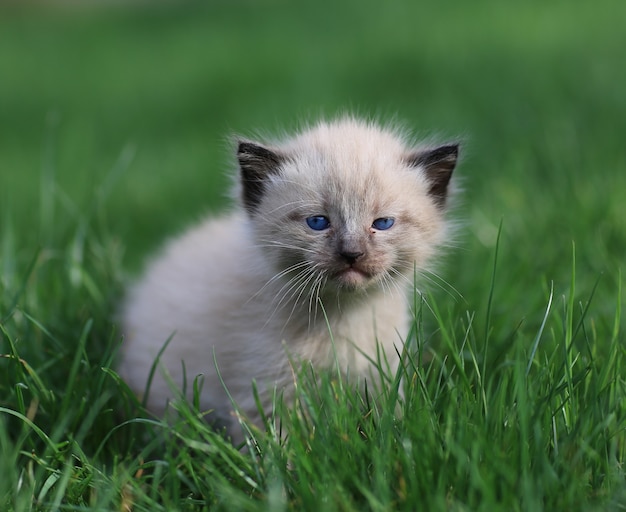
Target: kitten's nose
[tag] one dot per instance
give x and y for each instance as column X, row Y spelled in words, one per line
column 351, row 256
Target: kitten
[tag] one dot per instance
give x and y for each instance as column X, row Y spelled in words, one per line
column 330, row 228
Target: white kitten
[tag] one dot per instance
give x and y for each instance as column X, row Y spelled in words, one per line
column 332, row 226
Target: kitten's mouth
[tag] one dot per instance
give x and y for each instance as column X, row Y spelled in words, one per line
column 352, row 277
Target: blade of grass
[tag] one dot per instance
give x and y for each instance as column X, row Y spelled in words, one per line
column 540, row 332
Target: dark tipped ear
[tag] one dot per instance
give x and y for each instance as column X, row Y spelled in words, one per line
column 438, row 165
column 256, row 163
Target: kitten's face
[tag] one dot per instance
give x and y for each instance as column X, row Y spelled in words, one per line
column 346, row 206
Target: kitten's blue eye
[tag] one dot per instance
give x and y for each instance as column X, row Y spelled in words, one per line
column 383, row 223
column 318, row 222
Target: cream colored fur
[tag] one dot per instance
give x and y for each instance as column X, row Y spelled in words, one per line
column 246, row 288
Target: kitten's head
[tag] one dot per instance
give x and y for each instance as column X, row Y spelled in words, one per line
column 347, row 205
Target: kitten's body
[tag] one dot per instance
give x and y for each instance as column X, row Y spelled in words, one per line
column 247, row 289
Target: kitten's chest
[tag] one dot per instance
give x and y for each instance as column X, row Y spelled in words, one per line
column 349, row 337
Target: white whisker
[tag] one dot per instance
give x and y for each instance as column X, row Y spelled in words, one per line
column 300, row 291
column 292, row 283
column 283, row 245
column 314, row 300
column 439, row 281
column 277, row 276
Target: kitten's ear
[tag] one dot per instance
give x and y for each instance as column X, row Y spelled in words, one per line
column 256, row 164
column 438, row 165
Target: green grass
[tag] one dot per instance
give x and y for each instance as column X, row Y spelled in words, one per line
column 112, row 138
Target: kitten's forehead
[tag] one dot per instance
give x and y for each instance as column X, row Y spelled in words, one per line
column 349, row 142
column 348, row 161
column 346, row 151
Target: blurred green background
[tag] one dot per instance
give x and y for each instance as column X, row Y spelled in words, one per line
column 140, row 101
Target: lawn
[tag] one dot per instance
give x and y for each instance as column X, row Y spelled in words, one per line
column 114, row 135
